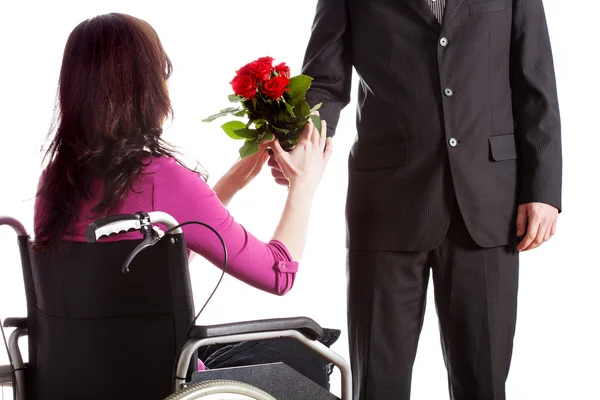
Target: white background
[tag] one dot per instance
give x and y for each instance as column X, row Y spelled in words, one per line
column 557, row 350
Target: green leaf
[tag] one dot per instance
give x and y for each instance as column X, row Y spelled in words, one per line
column 241, row 113
column 230, row 128
column 317, row 107
column 290, row 110
column 281, row 130
column 284, row 116
column 302, row 109
column 234, row 98
column 259, row 125
column 222, row 113
column 298, row 87
column 317, row 122
column 305, row 108
column 247, row 133
column 249, row 148
column 269, row 136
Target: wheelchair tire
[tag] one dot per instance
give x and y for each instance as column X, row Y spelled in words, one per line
column 209, row 388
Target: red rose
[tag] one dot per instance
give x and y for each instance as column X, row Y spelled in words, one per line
column 282, row 70
column 275, row 87
column 261, row 69
column 265, row 60
column 245, row 70
column 244, row 85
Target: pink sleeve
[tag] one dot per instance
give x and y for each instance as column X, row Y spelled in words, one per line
column 187, row 197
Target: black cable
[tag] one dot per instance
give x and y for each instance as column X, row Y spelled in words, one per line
column 225, row 259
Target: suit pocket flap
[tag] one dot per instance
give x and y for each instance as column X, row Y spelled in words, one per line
column 503, row 147
column 379, row 156
column 487, row 6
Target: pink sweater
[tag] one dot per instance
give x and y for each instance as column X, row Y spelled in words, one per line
column 166, row 186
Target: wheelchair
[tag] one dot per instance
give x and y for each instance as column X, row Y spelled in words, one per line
column 99, row 327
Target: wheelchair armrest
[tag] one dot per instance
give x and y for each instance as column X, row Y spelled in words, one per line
column 304, row 325
column 19, row 323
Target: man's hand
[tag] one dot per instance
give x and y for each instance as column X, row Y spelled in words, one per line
column 540, row 220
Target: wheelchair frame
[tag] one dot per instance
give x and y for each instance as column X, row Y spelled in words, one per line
column 236, row 332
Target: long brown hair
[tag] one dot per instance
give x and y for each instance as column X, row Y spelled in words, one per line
column 112, row 102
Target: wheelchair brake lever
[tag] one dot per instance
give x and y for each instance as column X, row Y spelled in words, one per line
column 151, row 237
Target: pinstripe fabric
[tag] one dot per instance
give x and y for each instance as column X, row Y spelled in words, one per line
column 465, row 109
column 437, row 6
column 476, row 303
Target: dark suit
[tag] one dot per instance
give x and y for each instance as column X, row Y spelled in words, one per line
column 457, row 123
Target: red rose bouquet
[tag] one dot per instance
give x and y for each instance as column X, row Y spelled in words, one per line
column 274, row 103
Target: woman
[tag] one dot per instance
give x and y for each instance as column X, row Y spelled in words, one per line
column 107, row 157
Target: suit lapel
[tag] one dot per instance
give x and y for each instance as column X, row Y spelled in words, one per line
column 451, row 8
column 424, row 11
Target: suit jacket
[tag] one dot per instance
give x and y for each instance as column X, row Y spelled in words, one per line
column 462, row 113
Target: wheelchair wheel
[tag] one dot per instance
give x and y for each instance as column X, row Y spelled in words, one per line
column 211, row 388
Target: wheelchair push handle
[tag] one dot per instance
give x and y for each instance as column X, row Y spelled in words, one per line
column 14, row 224
column 123, row 223
column 112, row 225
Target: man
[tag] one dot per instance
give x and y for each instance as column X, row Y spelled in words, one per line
column 455, row 169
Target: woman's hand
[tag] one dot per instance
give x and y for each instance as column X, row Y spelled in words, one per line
column 241, row 174
column 303, row 168
column 305, row 164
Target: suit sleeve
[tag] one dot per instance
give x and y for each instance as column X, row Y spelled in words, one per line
column 328, row 60
column 535, row 105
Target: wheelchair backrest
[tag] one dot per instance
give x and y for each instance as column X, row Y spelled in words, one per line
column 96, row 333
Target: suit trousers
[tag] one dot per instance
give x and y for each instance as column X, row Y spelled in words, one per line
column 476, row 302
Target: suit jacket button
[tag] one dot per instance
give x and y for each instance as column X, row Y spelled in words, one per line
column 444, row 42
column 448, row 92
column 452, row 142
